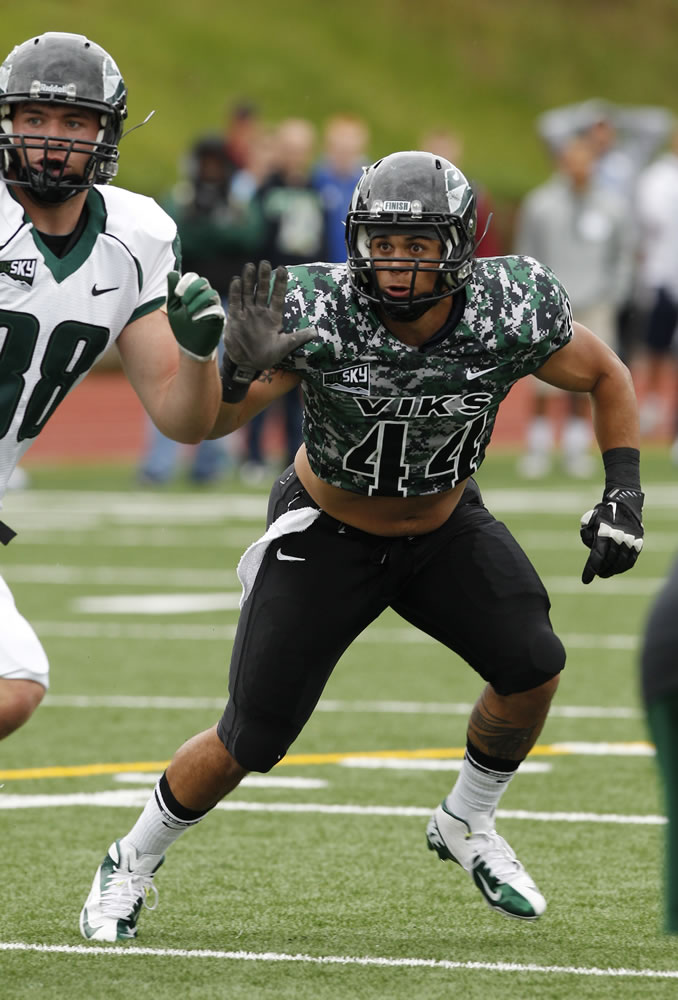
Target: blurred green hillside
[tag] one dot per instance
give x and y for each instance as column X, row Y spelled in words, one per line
column 485, row 68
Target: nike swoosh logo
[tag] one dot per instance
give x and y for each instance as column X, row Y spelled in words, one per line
column 281, row 555
column 485, row 371
column 495, row 896
column 87, row 927
column 102, row 291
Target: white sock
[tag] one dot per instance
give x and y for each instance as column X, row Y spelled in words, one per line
column 157, row 827
column 476, row 794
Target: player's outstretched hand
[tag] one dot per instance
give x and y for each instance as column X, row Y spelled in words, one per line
column 253, row 339
column 613, row 531
column 195, row 313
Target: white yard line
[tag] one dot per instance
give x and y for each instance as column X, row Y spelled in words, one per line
column 250, row 781
column 564, row 539
column 555, row 500
column 136, row 799
column 428, row 764
column 633, row 585
column 59, row 574
column 225, row 633
column 134, row 951
column 122, row 536
column 157, row 604
column 331, row 705
column 116, row 537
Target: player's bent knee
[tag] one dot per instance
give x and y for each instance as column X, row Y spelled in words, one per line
column 540, row 660
column 18, row 700
column 256, row 744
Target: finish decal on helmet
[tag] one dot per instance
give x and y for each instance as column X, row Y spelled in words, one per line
column 397, row 206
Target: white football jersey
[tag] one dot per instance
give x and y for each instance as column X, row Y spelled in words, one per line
column 59, row 314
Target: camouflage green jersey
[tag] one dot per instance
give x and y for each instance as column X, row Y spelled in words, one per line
column 385, row 419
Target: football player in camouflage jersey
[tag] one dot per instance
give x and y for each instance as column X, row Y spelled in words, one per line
column 409, row 349
column 83, row 266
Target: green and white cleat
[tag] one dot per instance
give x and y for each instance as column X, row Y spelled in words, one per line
column 121, row 887
column 491, row 863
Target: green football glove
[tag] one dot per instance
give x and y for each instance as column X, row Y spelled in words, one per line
column 195, row 314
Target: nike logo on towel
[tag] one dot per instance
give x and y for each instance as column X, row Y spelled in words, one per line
column 281, row 555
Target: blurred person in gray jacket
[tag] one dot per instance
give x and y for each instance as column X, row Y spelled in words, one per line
column 657, row 214
column 580, row 230
column 624, row 139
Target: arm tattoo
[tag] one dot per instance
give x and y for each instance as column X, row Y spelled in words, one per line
column 499, row 737
column 266, row 375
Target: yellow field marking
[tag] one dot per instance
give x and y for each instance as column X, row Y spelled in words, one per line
column 80, row 770
column 299, row 759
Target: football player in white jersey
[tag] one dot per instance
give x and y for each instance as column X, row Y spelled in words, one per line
column 83, row 266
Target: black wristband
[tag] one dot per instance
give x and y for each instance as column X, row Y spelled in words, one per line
column 622, row 468
column 235, row 380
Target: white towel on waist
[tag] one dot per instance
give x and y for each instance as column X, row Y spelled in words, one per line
column 286, row 524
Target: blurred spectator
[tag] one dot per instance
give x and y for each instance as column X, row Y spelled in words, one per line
column 262, row 162
column 216, row 233
column 580, row 230
column 241, row 133
column 624, row 139
column 336, row 174
column 295, row 232
column 292, row 209
column 657, row 215
column 444, row 142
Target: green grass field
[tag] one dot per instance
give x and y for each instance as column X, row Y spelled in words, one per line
column 316, row 883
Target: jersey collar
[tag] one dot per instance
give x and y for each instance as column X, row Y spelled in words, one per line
column 63, row 267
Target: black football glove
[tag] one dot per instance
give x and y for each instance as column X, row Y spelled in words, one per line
column 253, row 338
column 613, row 531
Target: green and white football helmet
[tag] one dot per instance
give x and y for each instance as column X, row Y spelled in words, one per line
column 63, row 69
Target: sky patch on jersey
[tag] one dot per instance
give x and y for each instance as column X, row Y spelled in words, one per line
column 22, row 269
column 354, row 379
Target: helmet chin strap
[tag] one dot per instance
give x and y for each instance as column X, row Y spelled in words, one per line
column 411, row 308
column 407, row 311
column 41, row 191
